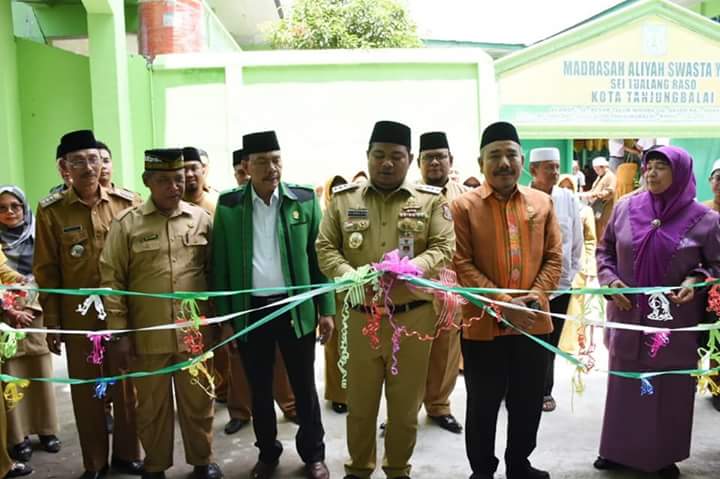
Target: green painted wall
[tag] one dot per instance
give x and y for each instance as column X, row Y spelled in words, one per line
column 10, row 114
column 140, row 117
column 54, row 99
column 162, row 80
column 704, row 153
column 358, row 73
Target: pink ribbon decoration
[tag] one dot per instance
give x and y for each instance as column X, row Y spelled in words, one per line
column 451, row 302
column 98, row 352
column 659, row 341
column 393, row 263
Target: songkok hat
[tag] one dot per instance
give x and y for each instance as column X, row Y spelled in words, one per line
column 260, row 142
column 75, row 141
column 715, row 167
column 500, row 131
column 600, row 161
column 190, row 153
column 164, row 159
column 391, row 132
column 433, row 140
column 544, row 154
column 238, row 156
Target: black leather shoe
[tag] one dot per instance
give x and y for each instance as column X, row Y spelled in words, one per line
column 481, row 475
column 449, row 423
column 234, row 425
column 317, row 470
column 51, row 443
column 606, row 464
column 263, row 470
column 207, row 471
column 19, row 469
column 94, row 474
column 22, row 452
column 716, row 402
column 132, row 468
column 153, row 475
column 351, row 476
column 339, row 407
column 669, row 472
column 528, row 472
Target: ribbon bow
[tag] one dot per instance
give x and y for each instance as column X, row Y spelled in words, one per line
column 92, row 300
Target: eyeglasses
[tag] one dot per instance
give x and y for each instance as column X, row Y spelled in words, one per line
column 81, row 163
column 14, row 207
column 431, row 158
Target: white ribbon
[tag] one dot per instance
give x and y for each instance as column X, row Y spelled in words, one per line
column 660, row 307
column 92, row 300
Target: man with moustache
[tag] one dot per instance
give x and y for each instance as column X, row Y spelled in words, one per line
column 507, row 237
column 239, row 403
column 197, row 190
column 276, row 223
column 545, row 170
column 435, row 162
column 70, row 235
column 159, row 247
column 362, row 223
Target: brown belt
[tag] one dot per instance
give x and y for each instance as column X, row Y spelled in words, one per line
column 396, row 308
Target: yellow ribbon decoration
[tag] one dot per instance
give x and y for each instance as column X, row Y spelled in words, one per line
column 12, row 393
column 198, row 370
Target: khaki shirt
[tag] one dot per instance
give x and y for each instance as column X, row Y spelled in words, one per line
column 69, row 238
column 153, row 253
column 417, row 213
column 208, row 201
column 7, row 274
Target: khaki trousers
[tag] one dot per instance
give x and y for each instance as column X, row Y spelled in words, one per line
column 368, row 370
column 156, row 413
column 90, row 411
column 442, row 373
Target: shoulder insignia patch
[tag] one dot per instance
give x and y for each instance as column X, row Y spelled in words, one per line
column 433, row 190
column 123, row 193
column 303, row 192
column 345, row 187
column 50, row 199
column 231, row 198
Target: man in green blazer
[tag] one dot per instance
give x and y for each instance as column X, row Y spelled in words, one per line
column 264, row 239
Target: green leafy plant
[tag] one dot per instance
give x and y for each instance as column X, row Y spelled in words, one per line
column 318, row 24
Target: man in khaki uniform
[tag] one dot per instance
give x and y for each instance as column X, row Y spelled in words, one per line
column 197, row 190
column 362, row 223
column 70, row 234
column 157, row 247
column 435, row 162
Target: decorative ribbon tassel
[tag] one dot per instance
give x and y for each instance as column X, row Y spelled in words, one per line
column 98, row 352
column 12, row 393
column 101, row 388
column 92, row 300
column 198, row 370
column 451, row 302
column 660, row 306
column 646, row 388
column 354, row 296
column 659, row 341
column 9, row 342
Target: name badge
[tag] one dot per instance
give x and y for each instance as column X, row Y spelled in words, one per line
column 407, row 246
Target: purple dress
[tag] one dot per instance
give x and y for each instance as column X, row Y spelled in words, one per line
column 650, row 432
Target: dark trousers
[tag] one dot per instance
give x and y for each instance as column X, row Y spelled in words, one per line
column 558, row 305
column 510, row 367
column 258, row 357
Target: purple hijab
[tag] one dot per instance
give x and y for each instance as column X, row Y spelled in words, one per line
column 675, row 208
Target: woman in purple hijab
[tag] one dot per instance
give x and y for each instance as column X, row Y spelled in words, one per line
column 660, row 237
